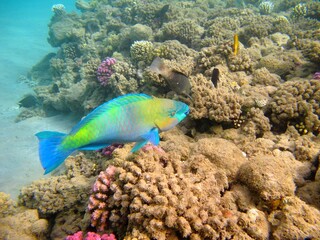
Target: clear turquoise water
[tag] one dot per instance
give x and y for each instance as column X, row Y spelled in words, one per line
column 23, row 42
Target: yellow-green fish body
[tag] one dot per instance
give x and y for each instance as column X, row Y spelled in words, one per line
column 130, row 118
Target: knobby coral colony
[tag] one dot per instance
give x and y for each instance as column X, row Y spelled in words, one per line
column 249, row 168
column 105, row 71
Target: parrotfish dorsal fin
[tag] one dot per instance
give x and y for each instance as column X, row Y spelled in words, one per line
column 117, row 102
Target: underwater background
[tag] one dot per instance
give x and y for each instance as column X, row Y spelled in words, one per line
column 244, row 164
column 24, row 30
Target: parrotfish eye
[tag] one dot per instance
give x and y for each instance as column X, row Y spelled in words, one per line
column 173, row 113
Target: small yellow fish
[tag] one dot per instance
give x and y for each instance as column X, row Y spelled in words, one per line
column 236, row 46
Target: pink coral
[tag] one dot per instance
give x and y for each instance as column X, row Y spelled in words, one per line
column 105, row 71
column 97, row 201
column 91, row 236
column 316, row 76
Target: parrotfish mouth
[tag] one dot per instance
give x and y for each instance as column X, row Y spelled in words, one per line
column 187, row 112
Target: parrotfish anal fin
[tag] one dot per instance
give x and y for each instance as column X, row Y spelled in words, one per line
column 152, row 136
column 117, row 102
column 93, row 147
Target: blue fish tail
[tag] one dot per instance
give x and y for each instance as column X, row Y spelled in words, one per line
column 50, row 154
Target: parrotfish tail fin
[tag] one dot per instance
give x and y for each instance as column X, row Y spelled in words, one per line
column 50, row 154
column 152, row 136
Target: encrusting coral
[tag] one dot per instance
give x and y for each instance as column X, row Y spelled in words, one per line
column 297, row 101
column 219, row 104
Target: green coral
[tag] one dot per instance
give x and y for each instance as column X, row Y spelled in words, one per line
column 299, row 11
column 313, row 10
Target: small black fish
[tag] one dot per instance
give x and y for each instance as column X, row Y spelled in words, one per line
column 215, row 77
column 28, row 101
column 161, row 13
column 177, row 81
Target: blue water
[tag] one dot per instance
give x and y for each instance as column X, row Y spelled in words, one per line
column 23, row 42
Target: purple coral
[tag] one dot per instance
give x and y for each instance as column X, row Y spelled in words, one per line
column 107, row 151
column 105, row 71
column 316, row 76
column 97, row 202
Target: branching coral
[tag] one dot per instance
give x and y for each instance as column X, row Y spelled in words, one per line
column 158, row 195
column 97, row 201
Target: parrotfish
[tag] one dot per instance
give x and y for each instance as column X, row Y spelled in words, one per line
column 177, row 81
column 130, row 118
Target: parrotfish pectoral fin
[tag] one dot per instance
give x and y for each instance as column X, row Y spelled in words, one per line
column 50, row 154
column 152, row 136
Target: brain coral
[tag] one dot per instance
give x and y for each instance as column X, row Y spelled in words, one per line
column 297, row 101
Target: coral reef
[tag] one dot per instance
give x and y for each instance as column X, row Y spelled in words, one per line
column 297, row 101
column 249, row 168
column 25, row 224
column 185, row 31
column 90, row 236
column 221, row 105
column 105, row 71
column 266, row 7
column 55, row 194
column 97, row 201
column 142, row 51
